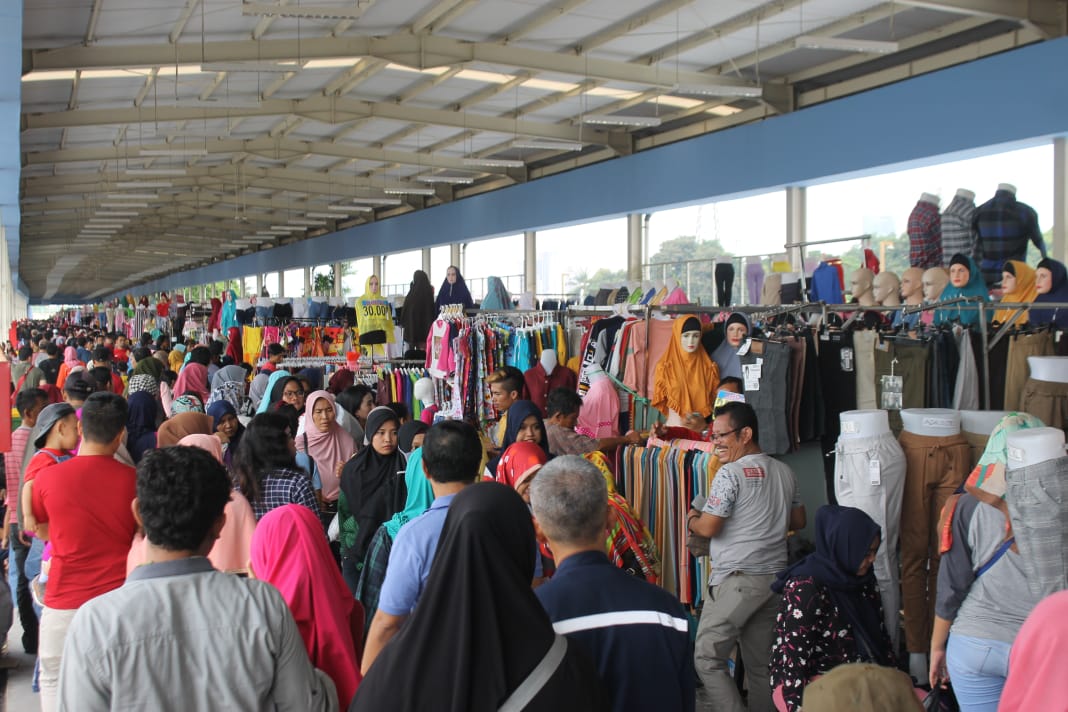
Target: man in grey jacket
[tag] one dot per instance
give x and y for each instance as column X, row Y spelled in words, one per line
column 179, row 635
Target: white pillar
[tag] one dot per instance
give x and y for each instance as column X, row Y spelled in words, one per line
column 337, row 279
column 530, row 261
column 259, row 283
column 795, row 228
column 376, row 267
column 454, row 255
column 426, row 263
column 634, row 247
column 307, row 282
column 1059, row 248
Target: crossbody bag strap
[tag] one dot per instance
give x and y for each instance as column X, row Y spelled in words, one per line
column 1005, row 546
column 521, row 697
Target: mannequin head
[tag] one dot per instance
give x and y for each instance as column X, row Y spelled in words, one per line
column 548, row 360
column 451, row 274
column 959, row 271
column 860, row 285
column 1008, row 279
column 736, row 329
column 373, row 285
column 934, row 282
column 424, row 390
column 912, row 285
column 885, row 288
column 1043, row 280
column 691, row 335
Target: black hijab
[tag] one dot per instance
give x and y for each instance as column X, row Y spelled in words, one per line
column 140, row 424
column 843, row 537
column 407, row 434
column 478, row 630
column 373, row 484
column 419, row 311
column 517, row 413
column 455, row 293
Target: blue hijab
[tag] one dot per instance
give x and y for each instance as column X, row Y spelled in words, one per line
column 497, row 297
column 1058, row 292
column 265, row 402
column 967, row 315
column 843, row 538
column 140, row 424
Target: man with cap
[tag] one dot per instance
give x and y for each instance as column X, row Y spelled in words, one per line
column 91, row 534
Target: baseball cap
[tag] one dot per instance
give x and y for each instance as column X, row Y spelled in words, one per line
column 51, row 415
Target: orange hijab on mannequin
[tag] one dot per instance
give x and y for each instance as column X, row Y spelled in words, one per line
column 684, row 381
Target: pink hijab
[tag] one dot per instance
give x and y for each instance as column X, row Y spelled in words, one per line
column 194, row 377
column 290, row 552
column 1036, row 669
column 70, row 357
column 327, row 449
column 232, row 549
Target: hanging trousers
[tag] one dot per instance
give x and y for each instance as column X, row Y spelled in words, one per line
column 864, row 344
column 936, row 467
column 754, row 283
column 911, row 366
column 1017, row 371
column 724, row 275
column 1047, row 401
column 770, row 399
column 855, row 487
column 1037, row 497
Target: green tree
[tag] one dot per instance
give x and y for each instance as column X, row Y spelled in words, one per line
column 688, row 261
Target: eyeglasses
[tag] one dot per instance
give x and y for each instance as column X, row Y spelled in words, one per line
column 292, row 394
column 715, row 437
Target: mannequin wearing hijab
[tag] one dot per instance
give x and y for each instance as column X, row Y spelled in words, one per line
column 454, row 290
column 1018, row 287
column 736, row 328
column 965, row 280
column 374, row 318
column 685, row 375
column 418, row 312
column 1051, row 281
column 478, row 630
column 830, row 612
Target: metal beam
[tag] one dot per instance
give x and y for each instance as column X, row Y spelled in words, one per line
column 94, row 18
column 436, row 17
column 419, row 51
column 1045, row 16
column 628, row 24
column 538, row 18
column 183, row 20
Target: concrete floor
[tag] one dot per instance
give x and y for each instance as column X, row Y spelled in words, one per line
column 19, row 696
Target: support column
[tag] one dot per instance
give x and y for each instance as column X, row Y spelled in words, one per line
column 337, row 279
column 376, row 267
column 307, row 282
column 795, row 228
column 426, row 263
column 259, row 283
column 454, row 255
column 530, row 261
column 634, row 246
column 1059, row 249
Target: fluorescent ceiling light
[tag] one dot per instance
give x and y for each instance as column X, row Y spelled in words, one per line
column 409, row 191
column 613, row 120
column 364, row 208
column 327, row 216
column 339, row 63
column 300, row 221
column 155, row 171
column 124, row 205
column 493, row 162
column 198, row 133
column 280, row 67
column 132, row 72
column 173, row 152
column 378, row 201
column 144, row 184
column 133, row 196
column 95, row 222
column 538, row 145
column 449, row 180
column 719, row 90
column 288, row 228
column 117, row 214
column 845, row 45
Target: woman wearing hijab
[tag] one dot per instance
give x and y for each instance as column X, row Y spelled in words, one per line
column 228, row 384
column 193, row 378
column 176, row 357
column 419, row 498
column 1036, row 666
column 228, row 318
column 830, row 611
column 372, row 490
column 186, row 404
column 230, row 552
column 228, row 429
column 1051, row 282
column 174, row 429
column 290, row 552
column 965, row 280
column 478, row 631
column 257, row 390
column 418, row 312
column 518, row 465
column 454, row 290
column 70, row 361
column 343, row 378
column 735, row 330
column 266, row 469
column 140, row 424
column 410, row 436
column 525, row 424
column 329, row 445
column 1018, row 287
column 268, row 398
column 685, row 376
column 312, row 378
column 149, row 366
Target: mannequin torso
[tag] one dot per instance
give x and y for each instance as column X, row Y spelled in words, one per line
column 863, row 424
column 1034, row 446
column 933, row 422
column 980, row 422
column 1049, row 368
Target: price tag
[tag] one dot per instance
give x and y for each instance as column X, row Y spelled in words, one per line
column 751, row 376
column 849, row 427
column 875, row 476
column 1015, row 453
column 744, row 348
column 938, row 422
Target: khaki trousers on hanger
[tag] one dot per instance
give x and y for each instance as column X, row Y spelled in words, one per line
column 1016, row 370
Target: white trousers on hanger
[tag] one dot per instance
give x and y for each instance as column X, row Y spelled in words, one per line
column 877, row 491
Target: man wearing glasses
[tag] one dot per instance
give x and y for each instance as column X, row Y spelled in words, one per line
column 753, row 502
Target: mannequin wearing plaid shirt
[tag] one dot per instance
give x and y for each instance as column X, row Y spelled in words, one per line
column 925, row 233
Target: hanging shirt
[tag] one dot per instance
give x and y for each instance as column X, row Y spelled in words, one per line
column 925, row 236
column 958, row 237
column 374, row 317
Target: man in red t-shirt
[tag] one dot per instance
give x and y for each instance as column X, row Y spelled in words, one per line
column 85, row 502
